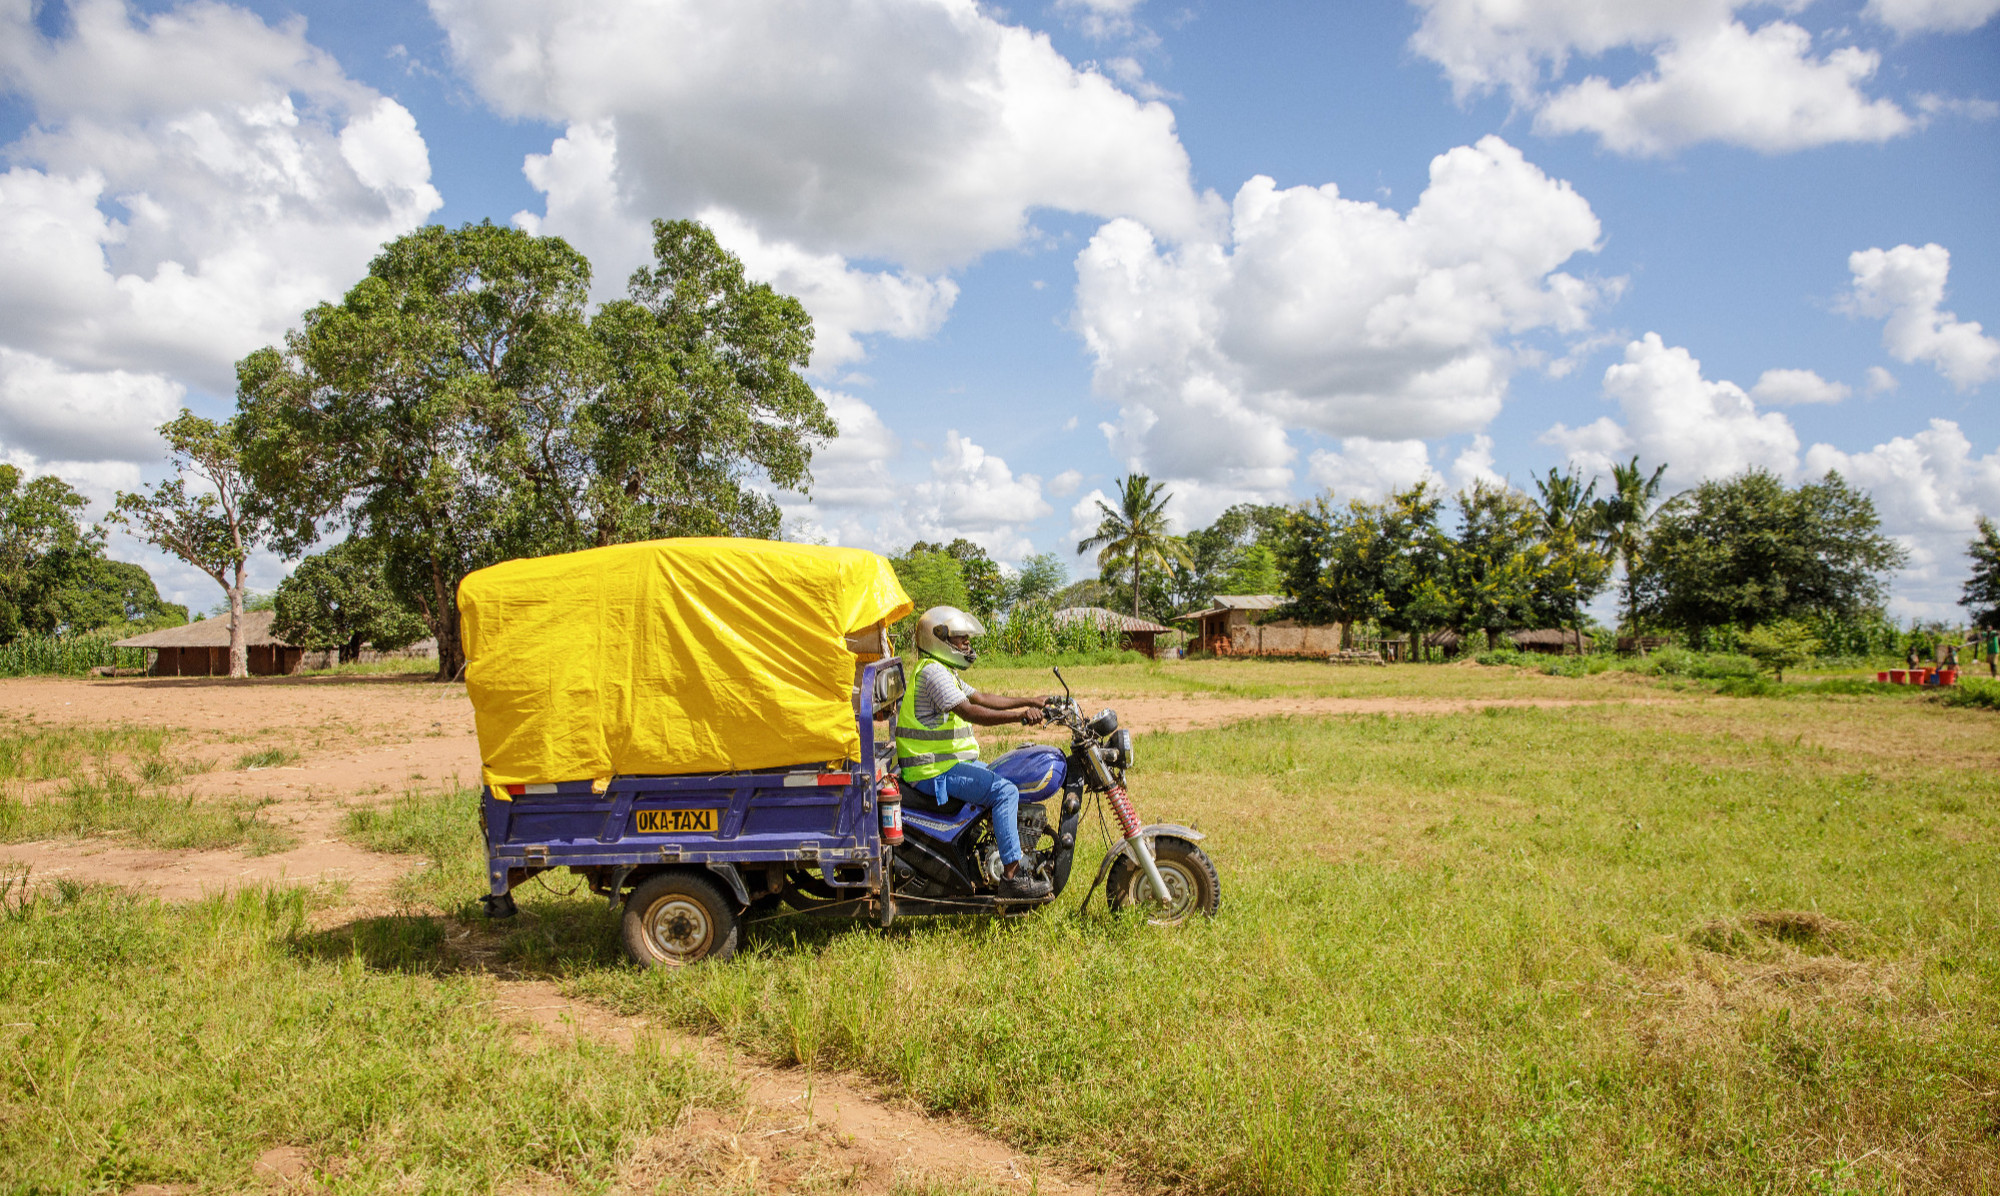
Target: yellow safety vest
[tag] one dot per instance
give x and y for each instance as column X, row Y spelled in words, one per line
column 924, row 752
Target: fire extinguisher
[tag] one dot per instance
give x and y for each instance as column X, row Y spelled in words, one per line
column 889, row 800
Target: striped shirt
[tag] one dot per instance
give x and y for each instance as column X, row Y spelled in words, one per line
column 938, row 692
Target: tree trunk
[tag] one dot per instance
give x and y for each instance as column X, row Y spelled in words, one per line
column 239, row 657
column 451, row 653
column 1135, row 586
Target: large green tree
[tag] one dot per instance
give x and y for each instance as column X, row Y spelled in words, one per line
column 1496, row 559
column 985, row 585
column 1748, row 550
column 1234, row 555
column 1040, row 579
column 1981, row 595
column 931, row 579
column 213, row 527
column 51, row 566
column 1333, row 562
column 459, row 407
column 1134, row 535
column 339, row 599
column 1414, row 560
column 115, row 596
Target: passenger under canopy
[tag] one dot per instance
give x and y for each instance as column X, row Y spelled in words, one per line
column 697, row 655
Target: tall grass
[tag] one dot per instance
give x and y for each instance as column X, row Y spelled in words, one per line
column 1034, row 631
column 65, row 656
column 149, row 1044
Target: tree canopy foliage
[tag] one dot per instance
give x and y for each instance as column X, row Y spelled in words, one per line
column 1981, row 595
column 1749, row 550
column 54, row 577
column 340, row 600
column 1134, row 535
column 459, row 407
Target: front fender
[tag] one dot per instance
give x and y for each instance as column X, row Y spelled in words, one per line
column 1149, row 833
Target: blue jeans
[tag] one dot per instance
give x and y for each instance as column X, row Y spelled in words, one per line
column 976, row 785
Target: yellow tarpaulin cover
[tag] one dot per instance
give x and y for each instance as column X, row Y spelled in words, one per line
column 668, row 656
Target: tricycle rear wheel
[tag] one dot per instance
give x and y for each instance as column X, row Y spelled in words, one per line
column 678, row 918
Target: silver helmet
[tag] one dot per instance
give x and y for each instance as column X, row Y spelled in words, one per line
column 939, row 622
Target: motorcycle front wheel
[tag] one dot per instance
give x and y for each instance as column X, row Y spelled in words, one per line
column 1190, row 876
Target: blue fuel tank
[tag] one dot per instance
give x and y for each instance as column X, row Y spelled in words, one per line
column 1037, row 770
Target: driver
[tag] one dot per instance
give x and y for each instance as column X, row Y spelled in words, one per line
column 934, row 745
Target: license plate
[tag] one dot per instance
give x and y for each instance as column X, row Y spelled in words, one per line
column 671, row 822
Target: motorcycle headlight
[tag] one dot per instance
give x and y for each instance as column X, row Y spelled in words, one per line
column 1121, row 743
column 1104, row 724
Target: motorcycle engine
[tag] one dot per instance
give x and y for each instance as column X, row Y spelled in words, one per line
column 1032, row 818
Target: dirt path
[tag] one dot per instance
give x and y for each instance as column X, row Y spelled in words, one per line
column 796, row 1131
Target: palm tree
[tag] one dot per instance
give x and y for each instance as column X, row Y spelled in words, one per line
column 1136, row 531
column 1625, row 515
column 1575, row 570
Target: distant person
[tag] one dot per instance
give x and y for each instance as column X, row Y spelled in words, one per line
column 1949, row 659
column 1993, row 651
column 1910, row 658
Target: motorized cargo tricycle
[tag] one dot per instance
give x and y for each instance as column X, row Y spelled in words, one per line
column 701, row 664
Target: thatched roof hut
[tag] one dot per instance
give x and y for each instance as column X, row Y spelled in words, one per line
column 1559, row 641
column 1135, row 633
column 201, row 649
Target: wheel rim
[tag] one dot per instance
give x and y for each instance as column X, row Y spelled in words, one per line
column 678, row 930
column 1181, row 884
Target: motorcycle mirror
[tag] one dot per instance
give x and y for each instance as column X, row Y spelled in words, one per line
column 1057, row 670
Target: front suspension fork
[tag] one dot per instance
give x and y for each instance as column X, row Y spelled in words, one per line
column 1128, row 821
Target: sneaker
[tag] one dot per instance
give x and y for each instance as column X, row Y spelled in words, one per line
column 1023, row 887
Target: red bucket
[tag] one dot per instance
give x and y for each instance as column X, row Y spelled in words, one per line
column 1882, row 676
column 1899, row 676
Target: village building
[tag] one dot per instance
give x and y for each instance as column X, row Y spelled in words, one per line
column 1230, row 628
column 1135, row 634
column 202, row 649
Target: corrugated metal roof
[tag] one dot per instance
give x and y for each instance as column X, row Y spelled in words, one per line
column 1238, row 602
column 1107, row 619
column 209, row 633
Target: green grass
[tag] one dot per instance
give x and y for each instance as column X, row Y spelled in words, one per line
column 400, row 665
column 440, row 825
column 95, row 795
column 149, row 1044
column 30, row 753
column 1692, row 945
column 1586, row 949
column 113, row 804
column 266, row 758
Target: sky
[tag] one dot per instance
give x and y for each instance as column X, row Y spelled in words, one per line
column 1261, row 251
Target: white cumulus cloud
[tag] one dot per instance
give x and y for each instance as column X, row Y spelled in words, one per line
column 1930, row 489
column 920, row 133
column 1369, row 469
column 1932, row 16
column 863, row 493
column 1764, row 90
column 1904, row 287
column 1329, row 314
column 1708, row 76
column 1673, row 416
column 191, row 181
column 1795, row 388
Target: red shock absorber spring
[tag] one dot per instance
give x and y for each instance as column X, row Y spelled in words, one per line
column 1128, row 818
